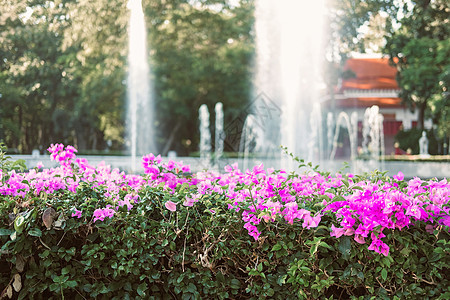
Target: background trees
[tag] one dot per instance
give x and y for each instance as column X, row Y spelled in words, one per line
column 201, row 54
column 63, row 70
column 63, row 64
column 419, row 47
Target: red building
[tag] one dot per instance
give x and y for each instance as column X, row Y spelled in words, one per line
column 372, row 81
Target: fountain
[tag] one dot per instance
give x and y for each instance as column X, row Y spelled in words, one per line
column 373, row 137
column 205, row 137
column 252, row 140
column 287, row 67
column 139, row 101
column 330, row 128
column 315, row 144
column 352, row 129
column 219, row 133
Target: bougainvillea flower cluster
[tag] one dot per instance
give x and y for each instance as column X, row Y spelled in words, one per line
column 359, row 208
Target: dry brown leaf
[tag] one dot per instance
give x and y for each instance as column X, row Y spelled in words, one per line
column 17, row 283
column 20, row 263
column 48, row 216
column 9, row 292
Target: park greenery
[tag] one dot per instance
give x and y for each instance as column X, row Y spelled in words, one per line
column 82, row 232
column 63, row 64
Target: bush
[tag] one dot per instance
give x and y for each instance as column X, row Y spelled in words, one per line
column 80, row 232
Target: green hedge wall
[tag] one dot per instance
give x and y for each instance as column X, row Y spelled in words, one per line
column 203, row 252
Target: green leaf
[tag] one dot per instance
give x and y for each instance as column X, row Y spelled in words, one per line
column 282, row 279
column 276, row 247
column 71, row 283
column 260, row 267
column 357, row 187
column 384, row 274
column 325, row 245
column 184, row 186
column 192, row 288
column 345, row 182
column 141, row 289
column 344, row 247
column 313, row 249
column 5, row 231
column 19, row 222
column 35, row 232
column 234, row 284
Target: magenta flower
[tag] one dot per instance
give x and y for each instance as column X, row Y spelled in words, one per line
column 379, row 246
column 102, row 213
column 359, row 239
column 336, row 231
column 186, row 168
column 172, row 206
column 76, row 213
column 311, row 222
column 399, row 176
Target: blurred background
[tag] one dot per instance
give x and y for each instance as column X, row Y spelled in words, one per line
column 63, row 70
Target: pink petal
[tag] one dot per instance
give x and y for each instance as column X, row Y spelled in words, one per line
column 171, row 205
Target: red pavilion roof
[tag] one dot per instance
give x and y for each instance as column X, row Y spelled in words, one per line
column 371, row 74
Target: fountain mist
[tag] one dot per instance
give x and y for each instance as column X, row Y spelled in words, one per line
column 219, row 133
column 288, row 65
column 139, row 92
column 205, row 136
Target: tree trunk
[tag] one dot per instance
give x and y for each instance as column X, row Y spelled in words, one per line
column 171, row 138
column 421, row 120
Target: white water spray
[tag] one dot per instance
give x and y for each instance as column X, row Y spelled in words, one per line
column 352, row 128
column 139, row 93
column 288, row 66
column 219, row 133
column 205, row 137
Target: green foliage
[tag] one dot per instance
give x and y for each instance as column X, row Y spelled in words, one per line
column 409, row 139
column 420, row 49
column 63, row 69
column 6, row 164
column 202, row 55
column 202, row 252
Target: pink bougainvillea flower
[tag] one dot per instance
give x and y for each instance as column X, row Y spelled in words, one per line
column 360, row 239
column 102, row 213
column 445, row 221
column 172, row 206
column 336, row 231
column 399, row 176
column 76, row 213
column 429, row 228
column 170, row 165
column 186, row 168
column 379, row 246
column 311, row 222
column 191, row 200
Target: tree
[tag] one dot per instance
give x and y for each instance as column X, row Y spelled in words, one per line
column 420, row 50
column 98, row 38
column 33, row 105
column 62, row 77
column 202, row 54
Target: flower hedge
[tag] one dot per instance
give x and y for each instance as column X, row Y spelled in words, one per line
column 79, row 231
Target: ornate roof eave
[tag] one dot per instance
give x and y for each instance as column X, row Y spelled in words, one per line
column 379, row 93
